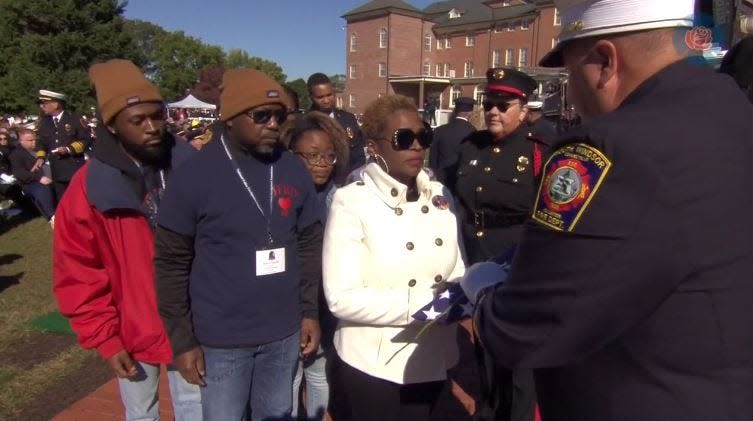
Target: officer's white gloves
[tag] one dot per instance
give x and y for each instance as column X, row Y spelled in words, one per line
column 481, row 276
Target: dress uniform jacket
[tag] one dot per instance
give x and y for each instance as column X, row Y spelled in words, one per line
column 495, row 184
column 357, row 156
column 69, row 132
column 630, row 294
column 382, row 255
column 447, row 138
column 543, row 129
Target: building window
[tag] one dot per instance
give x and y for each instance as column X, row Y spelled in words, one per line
column 383, row 38
column 470, row 40
column 496, row 58
column 353, row 42
column 554, row 42
column 498, row 27
column 478, row 94
column 427, row 42
column 446, row 72
column 351, row 100
column 525, row 25
column 454, row 13
column 438, row 73
column 426, row 70
column 455, row 93
column 509, row 56
column 352, row 71
column 557, row 19
column 447, row 42
column 523, row 57
column 339, row 102
column 382, row 69
column 468, row 69
column 511, row 26
column 440, row 43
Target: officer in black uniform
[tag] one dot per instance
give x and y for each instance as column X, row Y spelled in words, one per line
column 538, row 126
column 62, row 140
column 323, row 99
column 630, row 292
column 447, row 137
column 494, row 177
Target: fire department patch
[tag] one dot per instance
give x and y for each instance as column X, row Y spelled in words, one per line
column 573, row 175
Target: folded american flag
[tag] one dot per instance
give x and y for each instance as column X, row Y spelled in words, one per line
column 448, row 307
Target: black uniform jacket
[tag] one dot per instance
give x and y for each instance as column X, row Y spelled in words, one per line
column 356, row 141
column 631, row 299
column 495, row 183
column 21, row 163
column 447, row 138
column 70, row 133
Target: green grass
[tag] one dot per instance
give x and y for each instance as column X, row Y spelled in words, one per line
column 26, row 296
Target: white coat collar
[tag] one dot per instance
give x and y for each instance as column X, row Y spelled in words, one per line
column 391, row 191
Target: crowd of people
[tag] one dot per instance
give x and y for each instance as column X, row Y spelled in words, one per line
column 288, row 265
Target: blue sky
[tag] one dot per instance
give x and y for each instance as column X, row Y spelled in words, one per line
column 301, row 36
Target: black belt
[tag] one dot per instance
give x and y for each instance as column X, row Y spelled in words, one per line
column 490, row 220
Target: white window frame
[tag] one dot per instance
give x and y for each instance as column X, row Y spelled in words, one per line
column 353, row 42
column 352, row 71
column 447, row 43
column 426, row 69
column 478, row 94
column 498, row 28
column 557, row 17
column 496, row 58
column 427, row 42
column 383, row 38
column 351, row 101
column 446, row 70
column 511, row 27
column 455, row 93
column 382, row 69
column 523, row 53
column 509, row 57
column 470, row 40
column 525, row 25
column 438, row 72
column 468, row 69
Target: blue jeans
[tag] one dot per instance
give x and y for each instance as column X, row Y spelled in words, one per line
column 43, row 197
column 317, row 387
column 260, row 377
column 139, row 395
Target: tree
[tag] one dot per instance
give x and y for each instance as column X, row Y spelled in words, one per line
column 51, row 44
column 208, row 87
column 338, row 82
column 299, row 86
column 236, row 58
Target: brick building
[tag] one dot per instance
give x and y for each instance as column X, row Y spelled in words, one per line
column 443, row 51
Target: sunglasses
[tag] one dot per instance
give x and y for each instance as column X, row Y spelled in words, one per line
column 502, row 106
column 403, row 139
column 263, row 116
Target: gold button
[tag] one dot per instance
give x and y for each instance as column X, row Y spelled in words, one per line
column 487, row 169
column 479, row 233
column 514, row 180
column 412, row 283
column 479, row 189
column 438, row 278
column 409, row 245
column 438, row 241
column 393, row 192
column 398, row 211
column 530, row 134
column 496, row 149
column 425, row 209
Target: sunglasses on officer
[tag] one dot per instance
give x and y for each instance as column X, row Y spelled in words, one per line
column 502, row 105
column 402, row 139
column 263, row 116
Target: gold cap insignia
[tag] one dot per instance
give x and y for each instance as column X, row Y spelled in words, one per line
column 499, row 74
column 349, row 132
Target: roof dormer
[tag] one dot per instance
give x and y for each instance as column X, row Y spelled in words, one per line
column 454, row 13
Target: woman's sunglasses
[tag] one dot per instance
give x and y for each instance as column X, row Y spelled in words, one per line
column 263, row 116
column 402, row 139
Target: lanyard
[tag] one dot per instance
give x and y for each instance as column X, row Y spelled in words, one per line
column 251, row 192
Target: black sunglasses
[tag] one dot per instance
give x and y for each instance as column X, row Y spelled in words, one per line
column 263, row 116
column 502, row 106
column 403, row 139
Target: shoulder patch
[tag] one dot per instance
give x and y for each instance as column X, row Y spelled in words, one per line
column 572, row 177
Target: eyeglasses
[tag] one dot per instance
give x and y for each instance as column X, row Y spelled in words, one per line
column 263, row 116
column 402, row 139
column 502, row 106
column 315, row 158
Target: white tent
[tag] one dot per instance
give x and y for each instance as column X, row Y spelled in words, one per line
column 192, row 102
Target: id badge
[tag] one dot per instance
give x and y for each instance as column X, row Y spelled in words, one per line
column 270, row 261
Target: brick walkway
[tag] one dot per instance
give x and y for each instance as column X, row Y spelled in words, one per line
column 104, row 404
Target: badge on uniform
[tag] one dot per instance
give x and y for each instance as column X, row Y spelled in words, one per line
column 68, row 128
column 440, row 202
column 573, row 176
column 349, row 132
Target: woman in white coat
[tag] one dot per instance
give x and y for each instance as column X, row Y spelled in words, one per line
column 390, row 238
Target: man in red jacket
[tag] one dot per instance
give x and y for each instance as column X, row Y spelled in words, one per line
column 103, row 244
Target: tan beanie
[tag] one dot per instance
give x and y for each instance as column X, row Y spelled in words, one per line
column 243, row 89
column 120, row 84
